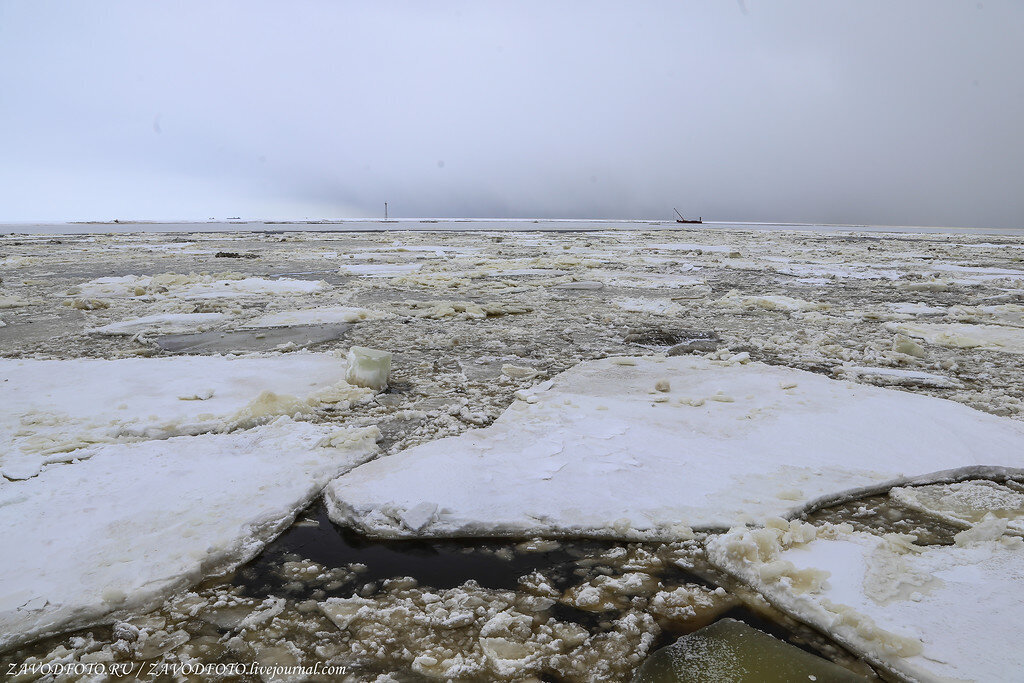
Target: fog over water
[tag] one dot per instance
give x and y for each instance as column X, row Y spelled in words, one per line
column 828, row 112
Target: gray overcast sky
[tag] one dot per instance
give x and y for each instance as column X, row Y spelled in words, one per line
column 880, row 112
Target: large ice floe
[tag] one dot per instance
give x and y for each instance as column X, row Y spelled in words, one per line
column 963, row 335
column 52, row 408
column 925, row 613
column 195, row 286
column 321, row 315
column 119, row 532
column 127, row 480
column 166, row 323
column 649, row 447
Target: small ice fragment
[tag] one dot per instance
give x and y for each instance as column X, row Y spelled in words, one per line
column 518, row 372
column 197, row 396
column 662, row 385
column 419, row 516
column 270, row 608
column 24, row 467
column 368, row 367
column 624, row 361
column 904, row 344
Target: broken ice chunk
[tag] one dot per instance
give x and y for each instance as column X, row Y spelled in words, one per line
column 419, row 516
column 965, row 503
column 368, row 367
column 921, row 613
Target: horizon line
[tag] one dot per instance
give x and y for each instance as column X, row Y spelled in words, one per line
column 330, row 221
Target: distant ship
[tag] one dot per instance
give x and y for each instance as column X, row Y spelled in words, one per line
column 687, row 220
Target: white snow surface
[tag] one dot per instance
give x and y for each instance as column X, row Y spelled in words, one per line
column 597, row 451
column 324, row 315
column 89, row 542
column 935, row 613
column 53, row 407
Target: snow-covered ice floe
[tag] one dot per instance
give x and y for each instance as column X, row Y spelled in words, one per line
column 323, row 315
column 166, row 323
column 646, row 447
column 121, row 531
column 927, row 613
column 52, row 408
column 379, row 269
column 195, row 286
column 898, row 377
column 964, row 335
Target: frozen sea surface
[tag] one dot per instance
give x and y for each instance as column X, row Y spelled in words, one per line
column 474, row 313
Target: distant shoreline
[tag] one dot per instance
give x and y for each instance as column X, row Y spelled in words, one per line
column 465, row 224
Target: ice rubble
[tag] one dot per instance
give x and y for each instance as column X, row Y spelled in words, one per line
column 904, row 607
column 597, row 451
column 473, row 633
column 121, row 531
column 53, row 407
